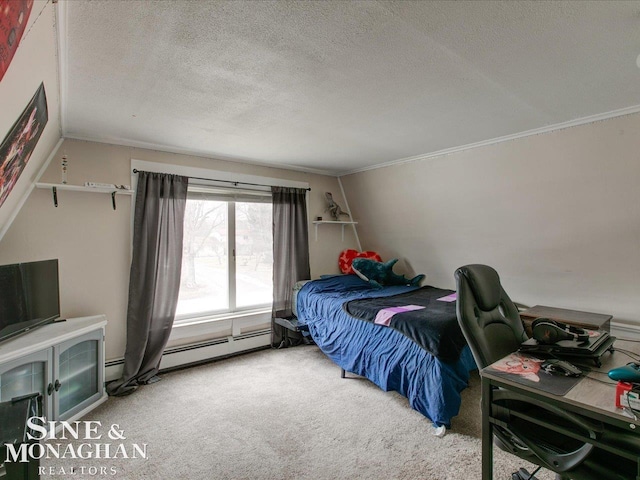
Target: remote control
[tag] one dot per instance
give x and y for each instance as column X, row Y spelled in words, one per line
column 629, row 373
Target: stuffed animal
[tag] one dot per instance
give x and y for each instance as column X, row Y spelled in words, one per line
column 379, row 274
column 334, row 209
column 347, row 256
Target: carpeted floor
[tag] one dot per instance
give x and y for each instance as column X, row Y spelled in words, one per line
column 278, row 414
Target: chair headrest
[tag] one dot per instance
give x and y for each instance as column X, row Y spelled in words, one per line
column 484, row 282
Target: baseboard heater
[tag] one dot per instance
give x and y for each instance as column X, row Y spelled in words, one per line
column 625, row 330
column 201, row 352
column 196, row 346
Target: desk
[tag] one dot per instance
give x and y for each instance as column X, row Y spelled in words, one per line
column 589, row 398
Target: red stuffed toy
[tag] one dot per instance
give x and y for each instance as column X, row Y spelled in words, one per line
column 347, row 256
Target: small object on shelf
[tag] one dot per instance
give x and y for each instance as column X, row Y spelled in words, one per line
column 64, row 169
column 334, row 209
column 106, row 185
column 99, row 185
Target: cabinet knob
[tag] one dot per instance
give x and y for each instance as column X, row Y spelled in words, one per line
column 57, row 385
column 50, row 389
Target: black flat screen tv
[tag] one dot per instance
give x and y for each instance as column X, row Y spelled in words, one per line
column 29, row 297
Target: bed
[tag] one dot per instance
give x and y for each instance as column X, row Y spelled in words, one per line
column 392, row 359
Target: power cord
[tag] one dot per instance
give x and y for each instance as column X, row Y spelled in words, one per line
column 610, row 382
column 631, row 410
column 628, row 353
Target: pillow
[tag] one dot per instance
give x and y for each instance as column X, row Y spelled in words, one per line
column 379, row 274
column 347, row 256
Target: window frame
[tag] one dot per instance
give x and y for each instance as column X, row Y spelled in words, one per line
column 207, row 325
column 230, row 196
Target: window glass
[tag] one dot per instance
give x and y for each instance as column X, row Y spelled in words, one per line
column 216, row 223
column 204, row 285
column 254, row 254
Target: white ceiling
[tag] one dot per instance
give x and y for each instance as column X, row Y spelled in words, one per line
column 339, row 86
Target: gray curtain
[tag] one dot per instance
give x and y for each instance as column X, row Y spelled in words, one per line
column 154, row 280
column 290, row 252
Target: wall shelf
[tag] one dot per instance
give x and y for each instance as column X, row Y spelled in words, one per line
column 80, row 188
column 332, row 222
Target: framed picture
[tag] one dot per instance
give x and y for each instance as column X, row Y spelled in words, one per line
column 17, row 146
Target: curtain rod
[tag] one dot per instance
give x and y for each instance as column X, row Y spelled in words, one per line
column 135, row 170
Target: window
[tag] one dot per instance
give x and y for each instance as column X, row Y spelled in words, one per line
column 228, row 252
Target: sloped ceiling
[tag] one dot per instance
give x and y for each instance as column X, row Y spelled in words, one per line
column 35, row 62
column 339, row 86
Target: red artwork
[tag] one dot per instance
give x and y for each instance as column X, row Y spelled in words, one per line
column 17, row 146
column 347, row 256
column 14, row 15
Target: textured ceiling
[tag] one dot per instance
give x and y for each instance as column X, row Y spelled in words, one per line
column 339, row 86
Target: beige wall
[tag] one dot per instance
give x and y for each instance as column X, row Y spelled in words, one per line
column 558, row 215
column 92, row 241
column 34, row 63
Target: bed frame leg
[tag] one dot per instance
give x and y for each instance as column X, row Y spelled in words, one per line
column 342, row 373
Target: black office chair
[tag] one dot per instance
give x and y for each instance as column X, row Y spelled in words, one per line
column 493, row 329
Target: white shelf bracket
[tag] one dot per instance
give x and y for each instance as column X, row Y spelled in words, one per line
column 325, row 222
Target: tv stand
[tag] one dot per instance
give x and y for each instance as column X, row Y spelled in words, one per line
column 63, row 361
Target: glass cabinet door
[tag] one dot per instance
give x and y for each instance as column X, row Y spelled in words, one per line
column 29, row 374
column 77, row 373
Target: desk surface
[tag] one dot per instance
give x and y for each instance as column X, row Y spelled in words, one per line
column 594, row 321
column 591, row 394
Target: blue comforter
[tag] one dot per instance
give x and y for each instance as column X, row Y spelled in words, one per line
column 383, row 355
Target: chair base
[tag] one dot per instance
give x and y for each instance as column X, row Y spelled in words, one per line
column 522, row 474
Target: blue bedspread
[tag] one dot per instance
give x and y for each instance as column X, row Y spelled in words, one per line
column 383, row 355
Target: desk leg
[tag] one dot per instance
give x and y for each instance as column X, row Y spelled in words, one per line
column 23, row 471
column 487, row 432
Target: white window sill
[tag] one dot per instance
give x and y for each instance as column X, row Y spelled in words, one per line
column 227, row 324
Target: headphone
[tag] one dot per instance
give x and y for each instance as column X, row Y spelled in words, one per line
column 547, row 332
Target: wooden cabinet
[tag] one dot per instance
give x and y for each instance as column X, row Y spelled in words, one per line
column 64, row 362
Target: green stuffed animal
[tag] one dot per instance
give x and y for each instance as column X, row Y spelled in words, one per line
column 379, row 273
